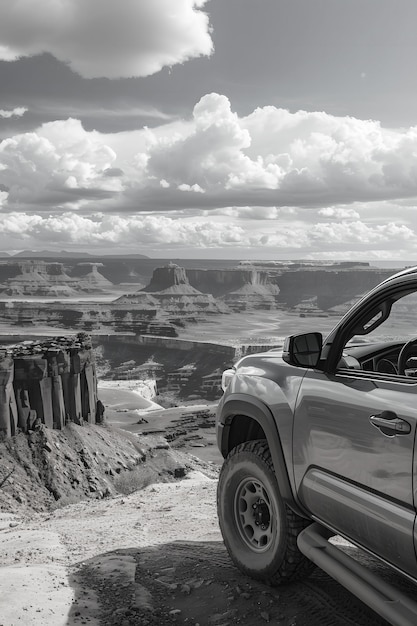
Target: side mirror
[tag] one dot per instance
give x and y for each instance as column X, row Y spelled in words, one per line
column 303, row 350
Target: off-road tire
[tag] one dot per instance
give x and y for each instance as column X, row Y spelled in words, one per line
column 259, row 530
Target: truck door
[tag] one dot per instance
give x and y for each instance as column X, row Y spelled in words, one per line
column 354, row 464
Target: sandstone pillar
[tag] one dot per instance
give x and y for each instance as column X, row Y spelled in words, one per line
column 8, row 408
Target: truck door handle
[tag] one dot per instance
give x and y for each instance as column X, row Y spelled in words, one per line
column 390, row 424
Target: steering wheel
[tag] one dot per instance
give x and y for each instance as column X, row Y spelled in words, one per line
column 409, row 349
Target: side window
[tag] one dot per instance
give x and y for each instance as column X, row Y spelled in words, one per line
column 400, row 324
column 380, row 339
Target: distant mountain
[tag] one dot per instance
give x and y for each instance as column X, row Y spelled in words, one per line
column 63, row 254
column 4, row 255
column 50, row 254
column 123, row 256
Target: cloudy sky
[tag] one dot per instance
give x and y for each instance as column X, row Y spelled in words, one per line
column 210, row 128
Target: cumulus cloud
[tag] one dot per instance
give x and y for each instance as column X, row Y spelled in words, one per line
column 59, row 163
column 156, row 232
column 274, row 157
column 210, row 153
column 254, row 212
column 360, row 233
column 153, row 230
column 263, row 162
column 186, row 187
column 273, row 179
column 339, row 213
column 101, row 38
column 16, row 112
column 343, row 237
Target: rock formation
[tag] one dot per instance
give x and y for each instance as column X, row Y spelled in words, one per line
column 170, row 276
column 220, row 282
column 93, row 281
column 39, row 278
column 48, row 383
column 257, row 293
column 240, row 289
column 144, row 301
column 170, row 287
column 86, row 316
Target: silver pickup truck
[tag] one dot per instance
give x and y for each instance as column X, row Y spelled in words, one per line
column 320, row 440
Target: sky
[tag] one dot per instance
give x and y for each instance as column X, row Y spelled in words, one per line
column 235, row 129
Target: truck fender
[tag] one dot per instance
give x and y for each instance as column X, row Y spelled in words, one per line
column 240, row 404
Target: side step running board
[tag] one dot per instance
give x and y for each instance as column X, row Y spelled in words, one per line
column 388, row 602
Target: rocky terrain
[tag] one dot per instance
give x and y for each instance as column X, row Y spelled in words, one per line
column 48, row 469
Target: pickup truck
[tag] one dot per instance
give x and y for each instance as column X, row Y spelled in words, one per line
column 319, row 440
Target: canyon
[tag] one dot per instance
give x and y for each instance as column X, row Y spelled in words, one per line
column 192, row 287
column 178, row 325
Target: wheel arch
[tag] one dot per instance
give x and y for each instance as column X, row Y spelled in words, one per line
column 246, row 419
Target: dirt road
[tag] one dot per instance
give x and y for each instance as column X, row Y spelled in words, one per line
column 153, row 557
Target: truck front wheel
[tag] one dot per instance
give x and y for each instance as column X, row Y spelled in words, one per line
column 259, row 530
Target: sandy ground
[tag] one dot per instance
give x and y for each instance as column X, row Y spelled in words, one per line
column 41, row 556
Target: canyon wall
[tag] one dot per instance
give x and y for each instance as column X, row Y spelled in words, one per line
column 181, row 369
column 221, row 282
column 248, row 287
column 330, row 287
column 86, row 317
column 273, row 286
